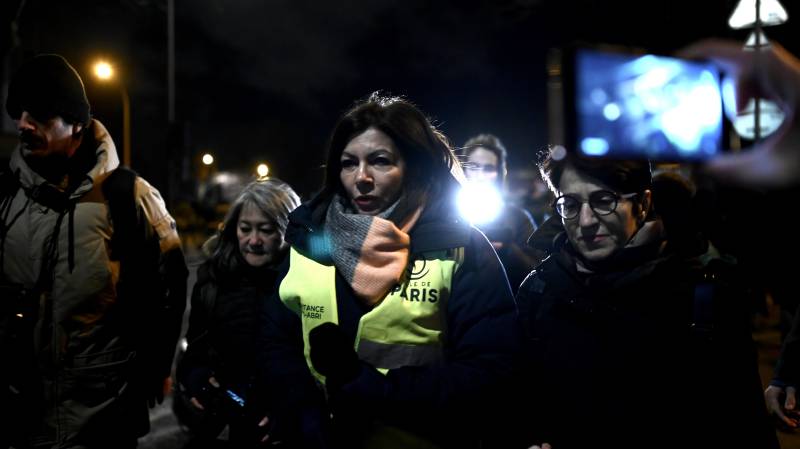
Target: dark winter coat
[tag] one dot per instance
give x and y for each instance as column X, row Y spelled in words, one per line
column 628, row 358
column 105, row 312
column 222, row 343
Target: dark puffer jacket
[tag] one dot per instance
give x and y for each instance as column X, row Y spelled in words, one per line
column 222, row 343
column 627, row 358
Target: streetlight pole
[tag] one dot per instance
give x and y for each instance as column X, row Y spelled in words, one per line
column 126, row 125
column 105, row 72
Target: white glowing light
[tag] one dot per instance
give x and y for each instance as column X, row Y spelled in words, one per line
column 744, row 15
column 696, row 112
column 771, row 118
column 611, row 112
column 751, row 40
column 480, row 202
column 594, row 146
column 262, row 170
column 208, row 159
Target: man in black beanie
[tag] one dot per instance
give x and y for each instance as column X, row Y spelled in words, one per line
column 92, row 276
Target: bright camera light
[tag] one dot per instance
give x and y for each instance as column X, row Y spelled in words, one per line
column 480, row 202
column 208, row 159
column 262, row 170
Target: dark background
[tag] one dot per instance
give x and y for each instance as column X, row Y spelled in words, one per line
column 266, row 80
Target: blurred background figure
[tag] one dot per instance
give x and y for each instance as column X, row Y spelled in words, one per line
column 526, row 190
column 772, row 166
column 216, row 373
column 506, row 225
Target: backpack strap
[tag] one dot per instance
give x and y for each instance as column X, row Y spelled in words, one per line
column 119, row 188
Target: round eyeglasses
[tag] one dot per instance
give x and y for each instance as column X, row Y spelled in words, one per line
column 602, row 202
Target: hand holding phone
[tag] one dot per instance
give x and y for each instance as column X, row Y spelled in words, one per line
column 631, row 106
column 771, row 73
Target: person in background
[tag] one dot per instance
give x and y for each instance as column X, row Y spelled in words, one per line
column 485, row 162
column 216, row 374
column 781, row 394
column 626, row 327
column 92, row 273
column 409, row 323
column 527, row 190
column 772, row 166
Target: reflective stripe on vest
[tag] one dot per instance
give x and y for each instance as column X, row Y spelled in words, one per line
column 404, row 329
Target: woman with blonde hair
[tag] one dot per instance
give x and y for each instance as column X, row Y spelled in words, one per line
column 216, row 374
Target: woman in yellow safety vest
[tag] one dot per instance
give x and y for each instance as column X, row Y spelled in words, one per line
column 393, row 325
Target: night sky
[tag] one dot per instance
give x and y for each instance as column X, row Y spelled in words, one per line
column 266, row 80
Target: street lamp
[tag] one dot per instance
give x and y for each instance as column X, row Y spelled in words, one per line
column 105, row 73
column 262, row 170
column 761, row 116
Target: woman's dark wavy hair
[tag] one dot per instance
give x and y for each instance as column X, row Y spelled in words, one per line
column 429, row 158
column 274, row 198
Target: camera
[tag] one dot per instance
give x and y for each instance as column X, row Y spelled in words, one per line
column 605, row 102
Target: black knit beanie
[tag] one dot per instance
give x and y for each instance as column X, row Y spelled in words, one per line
column 47, row 86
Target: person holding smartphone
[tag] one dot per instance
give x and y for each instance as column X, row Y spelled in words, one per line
column 216, row 374
column 772, row 166
column 486, row 164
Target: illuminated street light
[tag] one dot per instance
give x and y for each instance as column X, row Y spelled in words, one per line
column 262, row 170
column 757, row 13
column 105, row 72
column 761, row 117
column 208, row 159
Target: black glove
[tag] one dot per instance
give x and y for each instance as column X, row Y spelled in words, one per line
column 332, row 354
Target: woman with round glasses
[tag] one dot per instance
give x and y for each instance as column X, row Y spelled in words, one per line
column 623, row 329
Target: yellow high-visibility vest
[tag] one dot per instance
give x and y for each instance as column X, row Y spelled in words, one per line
column 404, row 329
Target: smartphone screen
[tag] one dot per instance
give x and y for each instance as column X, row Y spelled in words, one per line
column 646, row 106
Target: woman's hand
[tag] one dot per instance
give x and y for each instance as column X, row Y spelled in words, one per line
column 773, row 394
column 193, row 400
